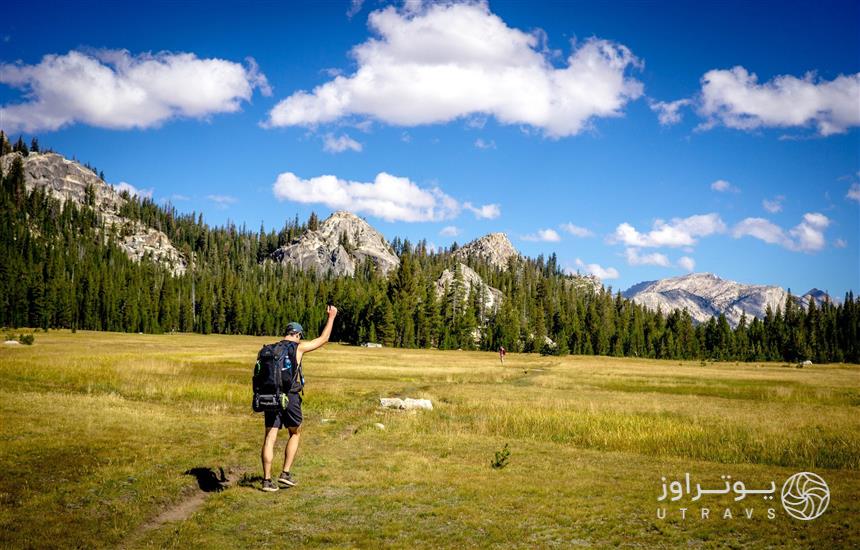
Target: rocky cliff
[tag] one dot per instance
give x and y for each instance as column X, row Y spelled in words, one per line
column 342, row 242
column 494, row 248
column 67, row 180
column 492, row 296
column 705, row 295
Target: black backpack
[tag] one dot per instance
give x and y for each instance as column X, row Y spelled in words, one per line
column 276, row 374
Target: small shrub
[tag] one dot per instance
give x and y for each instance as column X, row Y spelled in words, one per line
column 500, row 460
column 26, row 339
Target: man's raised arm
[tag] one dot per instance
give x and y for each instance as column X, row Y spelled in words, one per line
column 320, row 340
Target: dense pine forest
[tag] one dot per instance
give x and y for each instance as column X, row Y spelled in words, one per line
column 61, row 269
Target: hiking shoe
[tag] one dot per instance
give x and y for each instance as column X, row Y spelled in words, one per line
column 286, row 479
column 268, row 486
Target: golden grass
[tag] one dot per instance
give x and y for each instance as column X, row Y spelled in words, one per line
column 99, row 428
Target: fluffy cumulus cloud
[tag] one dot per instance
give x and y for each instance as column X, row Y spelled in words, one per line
column 340, row 143
column 436, row 63
column 388, row 197
column 481, row 143
column 132, row 190
column 544, row 235
column 722, row 186
column 484, row 212
column 676, row 233
column 576, row 230
column 807, row 236
column 634, row 257
column 686, row 263
column 735, row 98
column 450, row 231
column 597, row 270
column 668, row 112
column 114, row 89
column 773, row 205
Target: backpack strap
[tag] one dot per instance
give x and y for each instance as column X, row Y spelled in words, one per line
column 280, row 352
column 298, row 377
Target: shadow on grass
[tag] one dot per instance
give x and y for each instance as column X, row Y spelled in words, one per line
column 248, row 480
column 208, row 480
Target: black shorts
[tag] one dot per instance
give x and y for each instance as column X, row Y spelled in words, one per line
column 290, row 418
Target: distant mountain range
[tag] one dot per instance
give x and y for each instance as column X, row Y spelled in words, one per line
column 343, row 241
column 706, row 295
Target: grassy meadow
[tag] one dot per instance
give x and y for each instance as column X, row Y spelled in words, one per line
column 98, row 432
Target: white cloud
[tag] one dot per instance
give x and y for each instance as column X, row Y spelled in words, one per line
column 576, row 230
column 450, row 231
column 597, row 270
column 388, row 197
column 485, row 212
column 476, row 122
column 222, row 201
column 655, row 258
column 854, row 192
column 686, row 263
column 354, row 8
column 840, row 243
column 482, row 144
column 445, row 61
column 722, row 186
column 668, row 112
column 773, row 205
column 545, row 235
column 405, row 137
column 807, row 236
column 132, row 190
column 332, row 144
column 114, row 89
column 735, row 99
column 677, row 233
column 178, row 197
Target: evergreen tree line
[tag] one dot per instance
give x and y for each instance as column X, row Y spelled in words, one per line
column 62, row 268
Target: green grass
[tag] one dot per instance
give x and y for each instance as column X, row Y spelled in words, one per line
column 98, row 430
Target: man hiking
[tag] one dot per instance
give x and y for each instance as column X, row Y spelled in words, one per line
column 291, row 418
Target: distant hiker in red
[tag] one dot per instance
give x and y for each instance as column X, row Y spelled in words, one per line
column 502, row 353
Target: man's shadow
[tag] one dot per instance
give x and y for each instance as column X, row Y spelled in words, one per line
column 208, row 480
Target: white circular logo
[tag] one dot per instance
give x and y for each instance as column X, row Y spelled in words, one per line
column 805, row 496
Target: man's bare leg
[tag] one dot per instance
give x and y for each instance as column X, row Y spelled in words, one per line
column 268, row 451
column 292, row 448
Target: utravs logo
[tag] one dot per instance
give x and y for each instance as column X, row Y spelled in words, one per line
column 805, row 496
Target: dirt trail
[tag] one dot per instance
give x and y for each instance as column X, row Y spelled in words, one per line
column 207, row 481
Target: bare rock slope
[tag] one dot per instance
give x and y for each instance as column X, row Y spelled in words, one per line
column 494, row 248
column 67, row 180
column 341, row 243
column 492, row 296
column 705, row 295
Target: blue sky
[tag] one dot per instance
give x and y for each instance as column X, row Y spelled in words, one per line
column 535, row 115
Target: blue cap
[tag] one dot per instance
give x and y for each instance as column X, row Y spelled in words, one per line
column 295, row 327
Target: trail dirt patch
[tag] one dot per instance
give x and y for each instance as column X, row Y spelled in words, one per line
column 208, row 481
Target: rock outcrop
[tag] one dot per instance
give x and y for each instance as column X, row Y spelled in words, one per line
column 705, row 295
column 819, row 297
column 342, row 242
column 492, row 296
column 495, row 248
column 67, row 180
column 590, row 283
